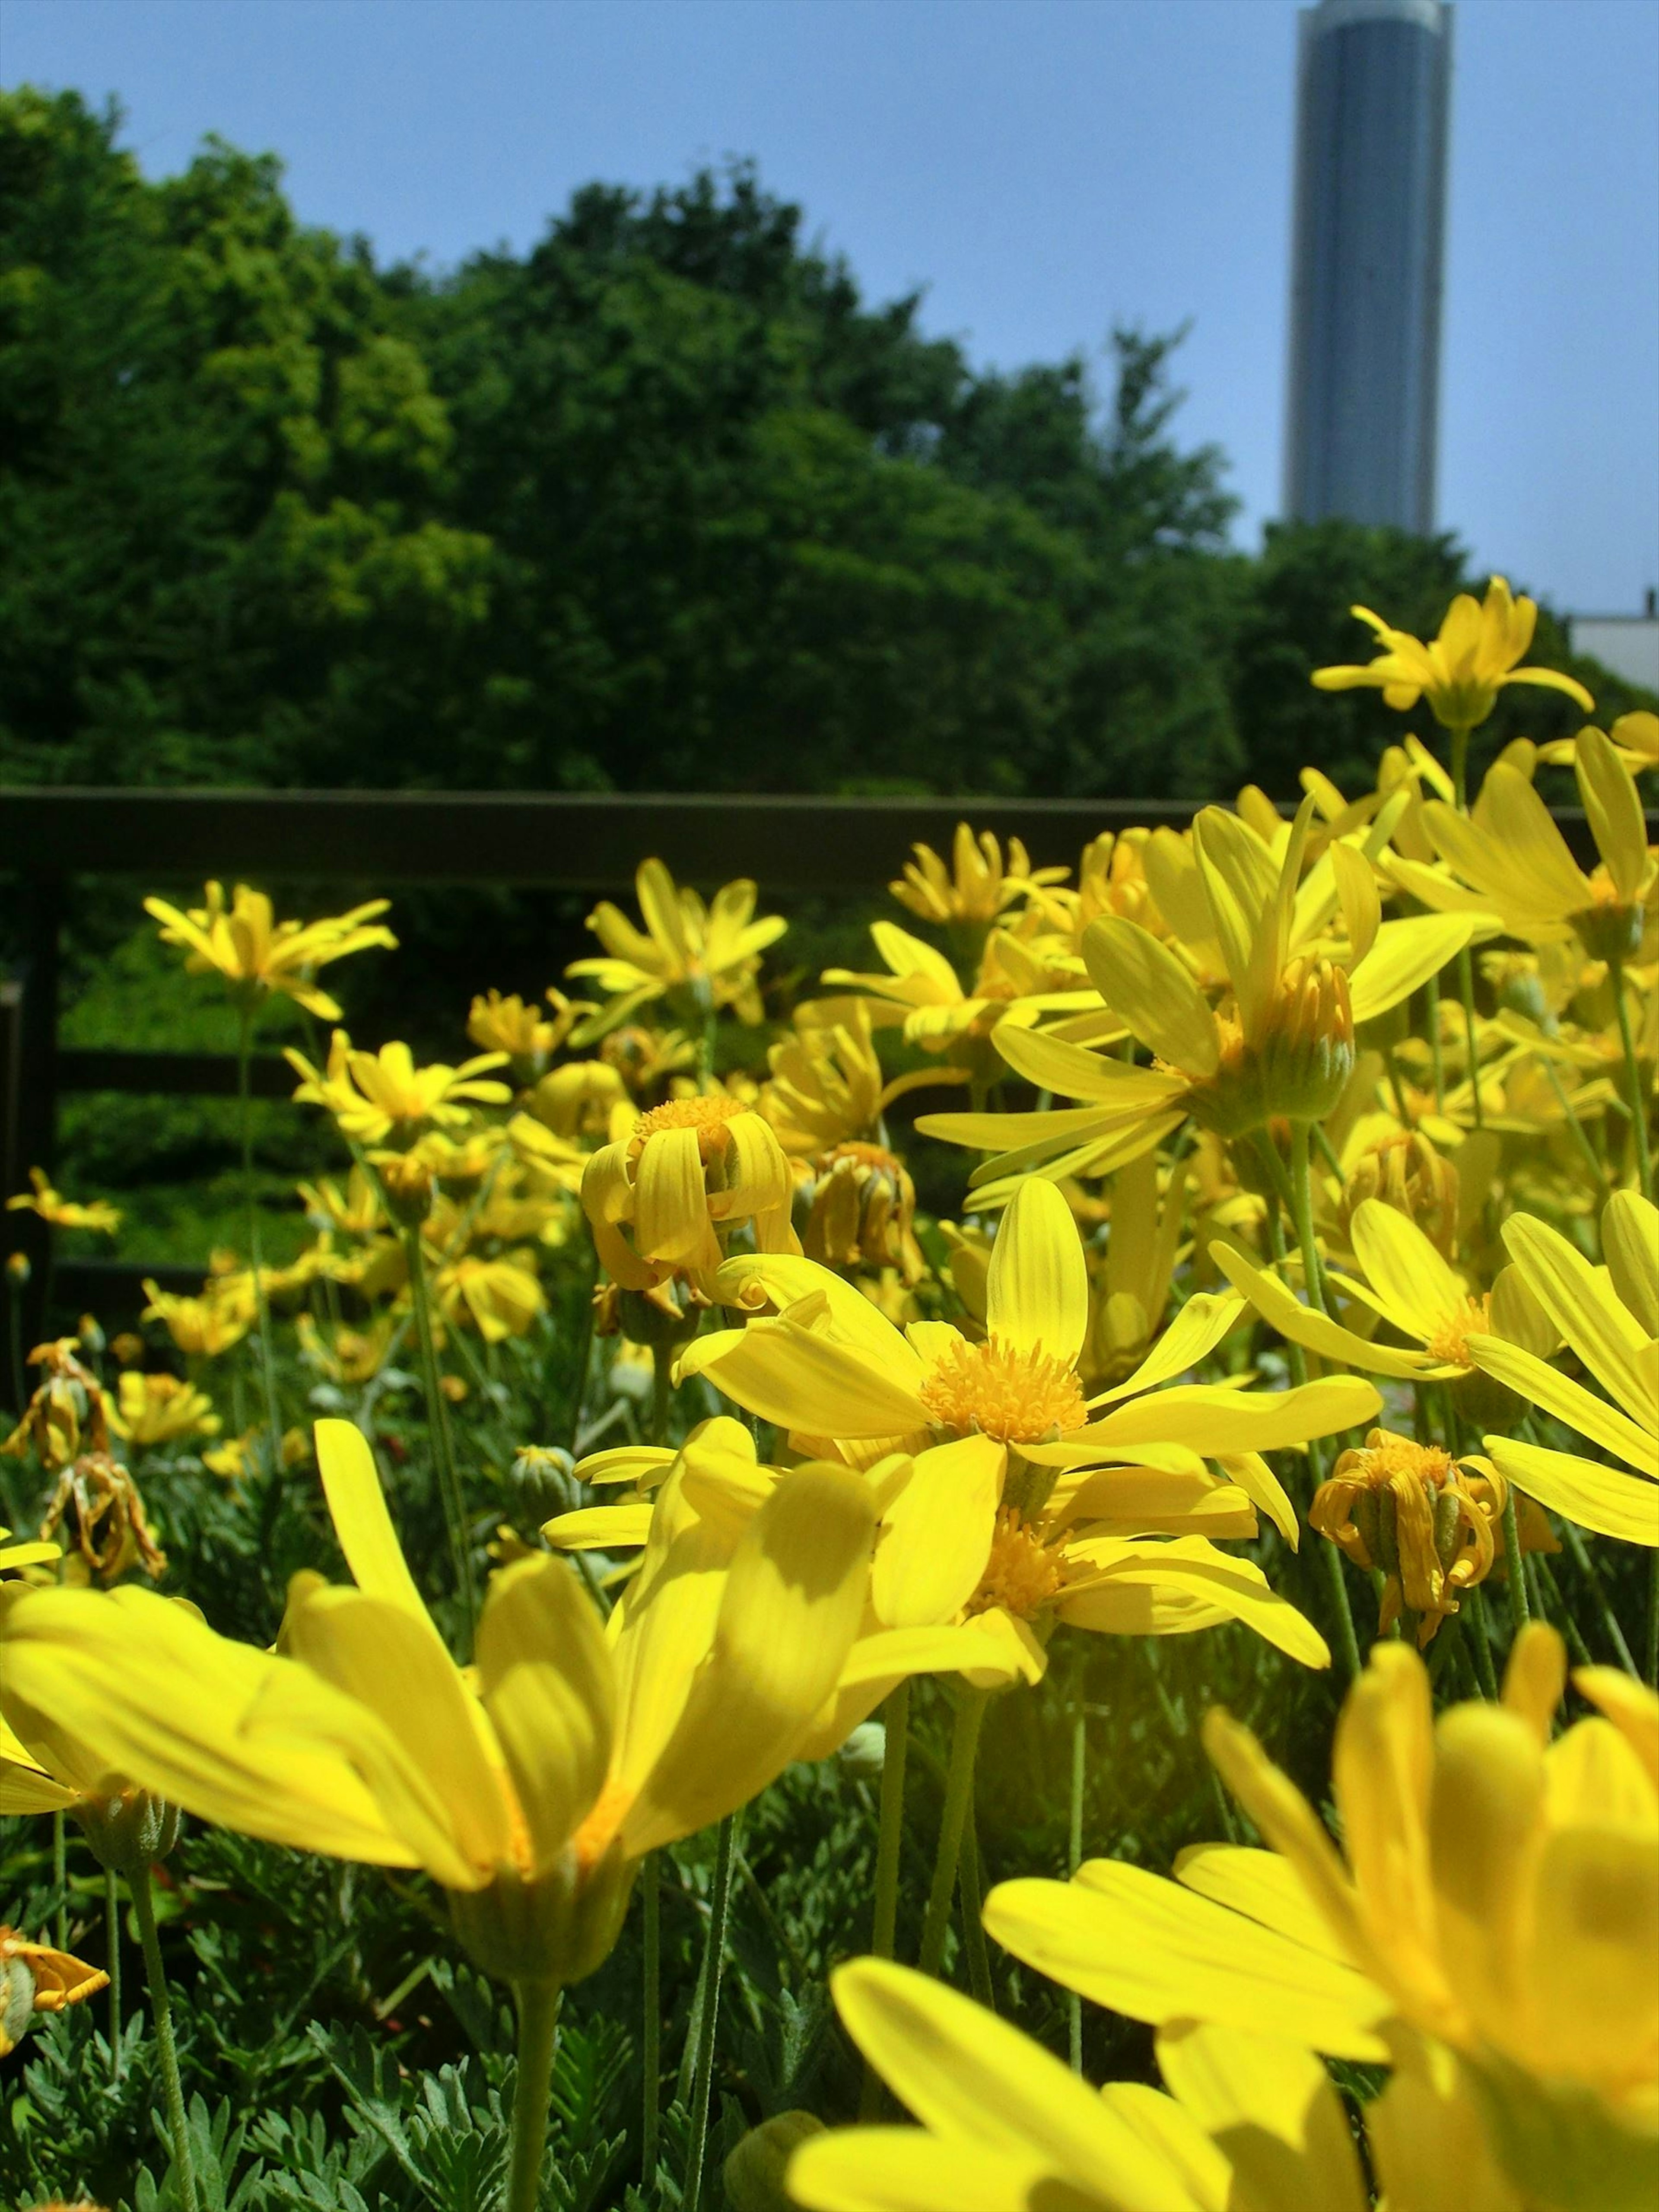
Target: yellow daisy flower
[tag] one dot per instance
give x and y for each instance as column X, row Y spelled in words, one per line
column 977, row 885
column 377, row 1096
column 259, row 957
column 688, row 1172
column 1494, row 1892
column 1460, row 673
column 699, row 957
column 1609, row 1318
column 161, row 1409
column 204, row 1328
column 63, row 1213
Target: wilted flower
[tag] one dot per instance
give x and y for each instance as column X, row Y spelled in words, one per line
column 1427, row 1522
column 98, row 1503
column 69, row 1412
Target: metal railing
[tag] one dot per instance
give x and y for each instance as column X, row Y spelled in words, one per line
column 578, row 841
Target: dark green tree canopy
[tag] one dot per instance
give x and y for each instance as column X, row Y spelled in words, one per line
column 662, row 503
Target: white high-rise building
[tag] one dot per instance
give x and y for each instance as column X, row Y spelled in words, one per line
column 1373, row 96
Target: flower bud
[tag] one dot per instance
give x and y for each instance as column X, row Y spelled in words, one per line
column 1407, row 1173
column 18, row 1269
column 864, row 1754
column 543, row 1481
column 1308, row 1050
column 754, row 2172
column 407, row 1181
column 130, row 1831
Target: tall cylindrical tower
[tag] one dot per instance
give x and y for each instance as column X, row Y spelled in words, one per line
column 1373, row 92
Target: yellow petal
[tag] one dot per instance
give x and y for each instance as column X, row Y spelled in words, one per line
column 671, row 1205
column 1534, row 1378
column 357, row 1507
column 1582, row 1306
column 1608, row 791
column 1402, row 957
column 975, row 2081
column 1263, row 1488
column 1488, row 1801
column 1630, row 1240
column 790, row 1610
column 1413, row 1285
column 1210, row 1419
column 1037, row 1290
column 1264, row 1887
column 1271, row 2110
column 1630, row 1706
column 1278, row 1306
column 798, row 1379
column 1536, row 1677
column 1126, row 1938
column 599, row 1528
column 1595, row 1497
column 1362, row 907
column 1140, row 979
column 936, row 1535
column 548, row 1687
column 1166, row 1589
column 1191, row 1336
column 1054, row 1065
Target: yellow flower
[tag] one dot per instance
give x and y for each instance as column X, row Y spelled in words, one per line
column 529, row 1786
column 1635, row 739
column 1426, row 1521
column 860, row 1211
column 1520, row 871
column 1013, row 1495
column 1463, row 670
column 259, row 957
column 922, row 995
column 63, row 1213
column 528, row 1039
column 375, row 1097
column 161, row 1409
column 1610, row 1320
column 1495, row 1892
column 34, row 1977
column 14, row 1556
column 579, row 1099
column 1283, row 1049
column 688, row 1171
column 826, row 1084
column 977, row 886
column 499, row 1297
column 1252, row 2122
column 699, row 957
column 1405, row 1282
column 202, row 1327
column 354, row 1211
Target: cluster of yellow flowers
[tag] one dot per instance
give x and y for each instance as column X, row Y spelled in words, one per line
column 1343, row 1222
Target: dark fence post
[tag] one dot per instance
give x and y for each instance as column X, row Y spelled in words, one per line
column 31, row 1087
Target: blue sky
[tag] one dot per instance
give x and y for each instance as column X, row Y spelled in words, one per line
column 1043, row 167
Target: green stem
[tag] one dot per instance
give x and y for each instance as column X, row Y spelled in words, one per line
column 1302, row 1210
column 1574, row 1123
column 1546, row 1594
column 1474, row 1612
column 538, row 2036
column 1639, row 1112
column 1466, row 991
column 60, row 1879
column 1073, row 1860
column 702, row 2079
column 250, row 1200
column 890, row 1841
column 437, row 1415
column 112, row 1966
column 651, row 2040
column 1460, row 768
column 1519, row 1613
column 1432, row 995
column 958, row 1792
column 662, row 1390
column 973, row 1925
column 166, row 2055
column 1587, row 1567
column 1400, row 1106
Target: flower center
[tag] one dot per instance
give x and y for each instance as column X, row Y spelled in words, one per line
column 1017, row 1397
column 707, row 1116
column 1450, row 1341
column 1022, row 1573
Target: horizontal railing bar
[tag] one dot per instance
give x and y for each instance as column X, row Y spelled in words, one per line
column 559, row 841
column 187, row 1074
column 117, row 1286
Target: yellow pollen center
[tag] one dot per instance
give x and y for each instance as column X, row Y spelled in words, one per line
column 707, row 1116
column 1022, row 1574
column 1017, row 1397
column 1386, row 1459
column 1450, row 1341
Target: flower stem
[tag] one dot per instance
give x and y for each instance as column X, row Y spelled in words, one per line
column 443, row 1449
column 1466, row 991
column 166, row 2055
column 538, row 2036
column 662, row 1390
column 112, row 1966
column 651, row 2040
column 1587, row 1567
column 1073, row 1860
column 250, row 1200
column 1597, row 1177
column 1302, row 1198
column 1520, row 1612
column 958, row 1790
column 889, row 1840
column 1474, row 1612
column 1639, row 1111
column 60, row 1879
column 973, row 1925
column 1431, row 997
column 702, row 2079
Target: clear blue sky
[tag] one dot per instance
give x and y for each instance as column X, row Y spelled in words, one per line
column 1043, row 167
